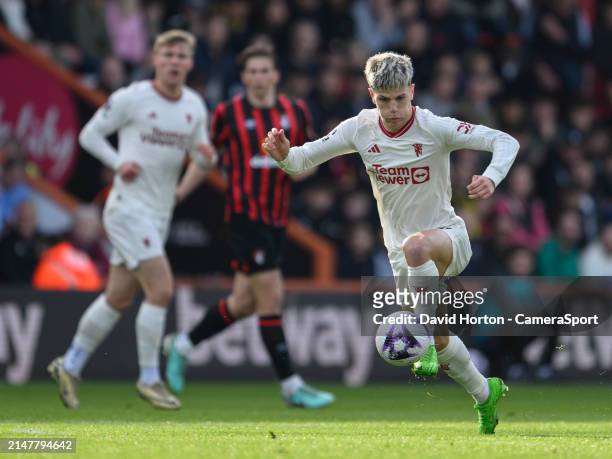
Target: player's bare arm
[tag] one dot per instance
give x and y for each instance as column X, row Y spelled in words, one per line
column 196, row 172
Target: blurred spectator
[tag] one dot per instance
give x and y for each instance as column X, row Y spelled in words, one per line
column 446, row 33
column 304, row 41
column 112, row 74
column 20, row 246
column 90, row 28
column 86, row 235
column 602, row 38
column 14, row 14
column 337, row 22
column 356, row 258
column 559, row 255
column 125, row 22
column 14, row 189
column 376, row 24
column 530, row 227
column 317, row 210
column 476, row 107
column 441, row 98
column 213, row 61
column 596, row 258
column 563, row 38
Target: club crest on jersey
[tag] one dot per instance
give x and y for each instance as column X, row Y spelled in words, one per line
column 188, row 118
column 374, row 149
column 152, row 116
column 418, row 149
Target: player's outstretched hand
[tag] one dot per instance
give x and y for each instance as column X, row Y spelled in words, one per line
column 276, row 144
column 481, row 187
column 129, row 171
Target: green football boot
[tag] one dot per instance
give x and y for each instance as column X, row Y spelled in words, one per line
column 487, row 411
column 427, row 365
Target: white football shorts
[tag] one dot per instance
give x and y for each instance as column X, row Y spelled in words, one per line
column 135, row 236
column 462, row 252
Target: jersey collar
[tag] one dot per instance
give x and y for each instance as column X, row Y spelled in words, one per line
column 165, row 96
column 402, row 130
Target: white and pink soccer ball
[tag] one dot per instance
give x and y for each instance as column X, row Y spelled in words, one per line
column 402, row 344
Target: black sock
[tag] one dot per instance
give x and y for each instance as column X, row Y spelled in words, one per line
column 218, row 318
column 271, row 328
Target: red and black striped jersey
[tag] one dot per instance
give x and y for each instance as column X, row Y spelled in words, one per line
column 257, row 187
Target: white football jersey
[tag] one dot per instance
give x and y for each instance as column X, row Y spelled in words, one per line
column 154, row 131
column 410, row 169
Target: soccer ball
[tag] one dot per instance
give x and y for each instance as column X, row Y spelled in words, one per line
column 402, row 343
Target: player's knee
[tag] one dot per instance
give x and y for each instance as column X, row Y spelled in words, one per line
column 161, row 295
column 240, row 305
column 119, row 302
column 417, row 249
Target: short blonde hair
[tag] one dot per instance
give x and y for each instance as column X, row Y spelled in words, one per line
column 172, row 37
column 388, row 71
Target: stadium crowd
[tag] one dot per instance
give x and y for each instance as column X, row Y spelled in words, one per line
column 537, row 69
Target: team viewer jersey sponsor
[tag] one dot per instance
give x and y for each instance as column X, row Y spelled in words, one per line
column 257, row 188
column 154, row 131
column 410, row 169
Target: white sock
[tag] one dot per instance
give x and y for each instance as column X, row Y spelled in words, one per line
column 149, row 376
column 462, row 369
column 150, row 323
column 97, row 321
column 291, row 384
column 183, row 344
column 424, row 278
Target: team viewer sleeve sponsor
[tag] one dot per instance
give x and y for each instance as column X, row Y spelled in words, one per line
column 108, row 119
column 338, row 142
column 459, row 134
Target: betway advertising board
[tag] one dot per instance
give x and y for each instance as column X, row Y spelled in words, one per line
column 324, row 333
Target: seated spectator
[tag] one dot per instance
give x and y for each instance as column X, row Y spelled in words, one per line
column 596, row 258
column 357, row 257
column 559, row 255
column 20, row 246
column 14, row 189
column 87, row 236
column 531, row 227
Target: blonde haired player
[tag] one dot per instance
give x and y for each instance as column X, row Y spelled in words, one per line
column 157, row 122
column 406, row 152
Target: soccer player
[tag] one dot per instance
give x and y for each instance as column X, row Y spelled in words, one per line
column 256, row 210
column 157, row 123
column 406, row 152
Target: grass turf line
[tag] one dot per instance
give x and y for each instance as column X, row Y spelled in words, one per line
column 233, row 420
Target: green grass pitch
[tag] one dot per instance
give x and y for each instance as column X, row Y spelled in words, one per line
column 413, row 420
